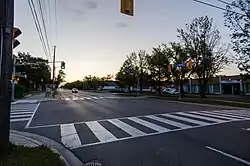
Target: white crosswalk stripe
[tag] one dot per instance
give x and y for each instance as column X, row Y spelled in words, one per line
column 100, row 132
column 134, row 127
column 79, row 98
column 22, row 112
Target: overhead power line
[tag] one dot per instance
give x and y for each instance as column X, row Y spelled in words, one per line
column 218, row 7
column 44, row 26
column 38, row 26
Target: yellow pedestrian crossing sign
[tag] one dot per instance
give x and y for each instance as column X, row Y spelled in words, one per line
column 127, row 7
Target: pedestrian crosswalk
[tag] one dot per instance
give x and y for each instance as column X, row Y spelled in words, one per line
column 24, row 101
column 22, row 112
column 74, row 98
column 90, row 133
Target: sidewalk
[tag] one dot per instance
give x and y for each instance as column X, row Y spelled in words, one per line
column 35, row 98
column 34, row 140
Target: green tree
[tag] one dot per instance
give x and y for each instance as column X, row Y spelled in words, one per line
column 178, row 55
column 61, row 77
column 75, row 84
column 202, row 42
column 38, row 73
column 158, row 66
column 127, row 73
column 237, row 18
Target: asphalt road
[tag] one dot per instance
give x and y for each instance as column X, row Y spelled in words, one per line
column 119, row 131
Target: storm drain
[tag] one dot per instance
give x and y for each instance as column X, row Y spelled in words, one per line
column 93, row 163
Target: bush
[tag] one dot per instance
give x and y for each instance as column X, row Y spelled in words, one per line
column 19, row 91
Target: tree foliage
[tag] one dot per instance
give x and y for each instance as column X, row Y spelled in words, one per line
column 158, row 65
column 38, row 73
column 203, row 43
column 60, row 77
column 134, row 70
column 237, row 19
column 90, row 83
column 178, row 55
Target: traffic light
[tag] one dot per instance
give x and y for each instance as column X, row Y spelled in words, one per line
column 16, row 32
column 169, row 68
column 189, row 65
column 17, row 78
column 127, row 7
column 63, row 65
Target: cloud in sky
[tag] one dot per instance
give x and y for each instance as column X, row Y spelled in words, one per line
column 78, row 8
column 121, row 25
column 91, row 5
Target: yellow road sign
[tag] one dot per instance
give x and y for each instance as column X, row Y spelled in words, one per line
column 127, row 7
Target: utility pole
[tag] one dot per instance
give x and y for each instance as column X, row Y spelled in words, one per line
column 54, row 72
column 54, row 65
column 6, row 48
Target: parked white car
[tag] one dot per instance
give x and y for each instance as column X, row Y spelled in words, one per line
column 171, row 91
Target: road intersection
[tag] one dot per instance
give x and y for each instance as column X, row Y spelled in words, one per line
column 138, row 131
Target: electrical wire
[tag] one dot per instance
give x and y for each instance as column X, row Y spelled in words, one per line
column 38, row 26
column 45, row 29
column 218, row 7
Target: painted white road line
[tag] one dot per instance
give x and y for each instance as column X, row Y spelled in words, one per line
column 240, row 113
column 21, row 113
column 186, row 119
column 88, row 98
column 20, row 116
column 127, row 128
column 18, row 110
column 212, row 115
column 24, row 101
column 149, row 125
column 225, row 115
column 229, row 155
column 245, row 129
column 233, row 113
column 67, row 99
column 75, row 98
column 201, row 117
column 69, row 136
column 100, row 132
column 28, row 124
column 170, row 122
column 19, row 119
column 93, row 97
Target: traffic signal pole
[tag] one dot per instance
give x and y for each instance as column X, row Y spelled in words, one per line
column 6, row 28
column 13, row 80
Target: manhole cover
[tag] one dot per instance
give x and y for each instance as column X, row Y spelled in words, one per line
column 93, row 163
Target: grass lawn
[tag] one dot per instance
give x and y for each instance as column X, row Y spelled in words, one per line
column 194, row 99
column 26, row 156
column 204, row 101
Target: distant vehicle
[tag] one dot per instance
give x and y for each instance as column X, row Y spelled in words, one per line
column 171, row 91
column 74, row 90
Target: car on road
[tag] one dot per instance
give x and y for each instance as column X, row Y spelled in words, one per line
column 74, row 90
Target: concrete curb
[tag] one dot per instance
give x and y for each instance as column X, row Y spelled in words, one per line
column 199, row 104
column 67, row 156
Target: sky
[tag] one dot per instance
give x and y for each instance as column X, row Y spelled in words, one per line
column 93, row 37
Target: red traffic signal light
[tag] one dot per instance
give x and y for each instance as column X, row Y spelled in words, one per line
column 189, row 65
column 169, row 68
